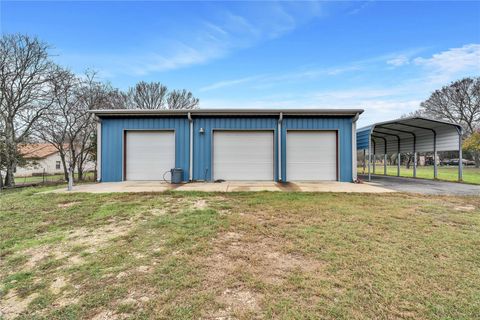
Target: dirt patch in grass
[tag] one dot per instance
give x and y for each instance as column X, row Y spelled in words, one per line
column 57, row 285
column 64, row 301
column 200, row 204
column 89, row 240
column 95, row 239
column 465, row 208
column 37, row 254
column 68, row 204
column 144, row 269
column 238, row 300
column 260, row 259
column 158, row 211
column 105, row 315
column 11, row 305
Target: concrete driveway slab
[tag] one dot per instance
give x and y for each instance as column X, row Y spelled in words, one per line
column 422, row 186
column 235, row 186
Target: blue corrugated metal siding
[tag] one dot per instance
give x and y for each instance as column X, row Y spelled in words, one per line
column 202, row 142
column 344, row 127
column 112, row 142
column 363, row 135
column 113, row 128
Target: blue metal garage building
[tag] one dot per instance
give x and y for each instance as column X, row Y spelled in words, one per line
column 227, row 144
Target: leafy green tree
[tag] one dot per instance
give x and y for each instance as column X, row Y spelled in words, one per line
column 472, row 143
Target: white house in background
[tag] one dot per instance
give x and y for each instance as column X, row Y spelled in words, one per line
column 43, row 157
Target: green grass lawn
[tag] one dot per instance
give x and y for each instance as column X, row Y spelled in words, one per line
column 470, row 174
column 238, row 256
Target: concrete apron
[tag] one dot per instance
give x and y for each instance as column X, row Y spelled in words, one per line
column 231, row 186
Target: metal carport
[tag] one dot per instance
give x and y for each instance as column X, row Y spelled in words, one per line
column 413, row 134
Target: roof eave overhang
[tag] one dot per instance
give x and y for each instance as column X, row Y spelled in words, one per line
column 229, row 112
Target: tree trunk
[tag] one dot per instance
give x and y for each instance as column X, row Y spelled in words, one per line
column 73, row 161
column 79, row 172
column 65, row 168
column 10, row 157
column 9, row 177
column 80, row 162
column 1, row 180
column 476, row 156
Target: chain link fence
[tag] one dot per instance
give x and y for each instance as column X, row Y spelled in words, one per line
column 40, row 179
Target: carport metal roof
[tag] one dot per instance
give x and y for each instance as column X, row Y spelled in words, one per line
column 413, row 134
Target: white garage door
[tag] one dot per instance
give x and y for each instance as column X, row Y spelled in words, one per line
column 149, row 154
column 311, row 155
column 243, row 155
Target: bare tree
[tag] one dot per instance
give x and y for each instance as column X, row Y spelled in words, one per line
column 148, row 95
column 182, row 99
column 55, row 127
column 92, row 94
column 68, row 125
column 458, row 102
column 25, row 72
column 153, row 95
column 2, row 151
column 115, row 99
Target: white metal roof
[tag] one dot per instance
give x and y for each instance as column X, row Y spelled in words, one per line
column 228, row 112
column 402, row 133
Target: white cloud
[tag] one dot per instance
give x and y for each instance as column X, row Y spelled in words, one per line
column 399, row 61
column 263, row 81
column 359, row 8
column 207, row 40
column 181, row 55
column 228, row 83
column 268, row 80
column 379, row 103
column 445, row 65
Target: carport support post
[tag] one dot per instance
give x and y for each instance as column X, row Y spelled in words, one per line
column 460, row 155
column 385, row 164
column 385, row 158
column 369, row 160
column 364, row 160
column 373, row 163
column 414, row 156
column 435, row 168
column 399, row 157
column 414, row 164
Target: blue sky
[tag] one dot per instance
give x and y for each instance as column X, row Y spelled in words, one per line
column 385, row 57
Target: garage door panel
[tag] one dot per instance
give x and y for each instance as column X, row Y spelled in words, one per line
column 311, row 155
column 243, row 155
column 149, row 154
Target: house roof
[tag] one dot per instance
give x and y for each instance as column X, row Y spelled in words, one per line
column 228, row 112
column 37, row 150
